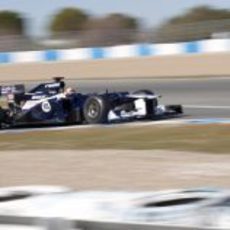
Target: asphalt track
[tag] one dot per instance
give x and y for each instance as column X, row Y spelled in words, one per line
column 201, row 97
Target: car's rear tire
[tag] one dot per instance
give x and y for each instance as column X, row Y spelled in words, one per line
column 151, row 104
column 96, row 109
column 2, row 116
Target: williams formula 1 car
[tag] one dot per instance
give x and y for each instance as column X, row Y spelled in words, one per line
column 53, row 103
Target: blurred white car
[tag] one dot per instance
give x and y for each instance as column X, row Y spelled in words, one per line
column 197, row 208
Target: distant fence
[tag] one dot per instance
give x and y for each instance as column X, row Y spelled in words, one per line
column 115, row 52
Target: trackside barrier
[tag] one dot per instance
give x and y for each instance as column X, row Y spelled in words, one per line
column 116, row 52
column 35, row 223
column 208, row 58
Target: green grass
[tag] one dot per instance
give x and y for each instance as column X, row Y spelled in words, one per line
column 202, row 138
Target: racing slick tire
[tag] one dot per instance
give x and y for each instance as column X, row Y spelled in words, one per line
column 150, row 104
column 96, row 109
column 2, row 116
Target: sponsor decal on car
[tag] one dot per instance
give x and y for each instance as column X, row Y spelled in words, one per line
column 46, row 107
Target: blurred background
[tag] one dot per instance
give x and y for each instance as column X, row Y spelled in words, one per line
column 71, row 26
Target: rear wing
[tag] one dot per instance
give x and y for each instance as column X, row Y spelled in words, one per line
column 11, row 89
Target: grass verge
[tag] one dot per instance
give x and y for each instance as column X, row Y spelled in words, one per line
column 200, row 138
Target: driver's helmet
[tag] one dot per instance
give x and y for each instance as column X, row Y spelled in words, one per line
column 69, row 91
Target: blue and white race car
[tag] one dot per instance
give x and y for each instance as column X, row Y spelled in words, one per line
column 53, row 103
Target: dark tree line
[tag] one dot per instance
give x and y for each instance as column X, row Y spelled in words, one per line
column 120, row 27
column 11, row 23
column 107, row 30
column 197, row 23
column 200, row 14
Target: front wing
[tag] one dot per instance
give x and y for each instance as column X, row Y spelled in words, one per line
column 140, row 112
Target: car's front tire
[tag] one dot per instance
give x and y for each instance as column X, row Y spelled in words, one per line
column 96, row 109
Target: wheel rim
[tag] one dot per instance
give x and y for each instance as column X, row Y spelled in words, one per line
column 93, row 110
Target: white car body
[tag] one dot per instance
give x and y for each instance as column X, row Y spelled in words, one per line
column 197, row 208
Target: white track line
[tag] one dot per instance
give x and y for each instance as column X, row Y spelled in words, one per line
column 207, row 106
column 128, row 124
column 112, row 125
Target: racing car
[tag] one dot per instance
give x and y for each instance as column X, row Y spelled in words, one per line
column 54, row 103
